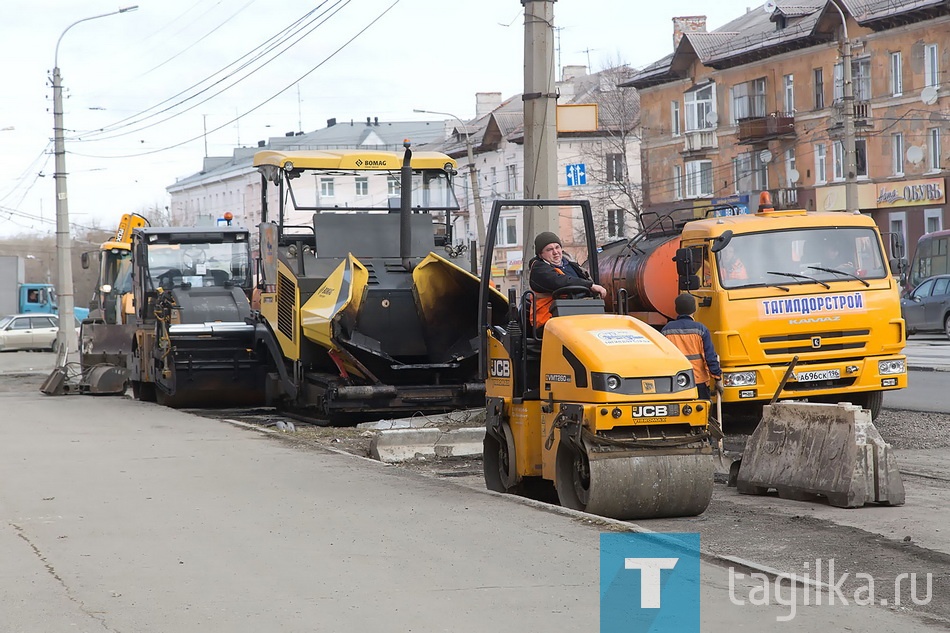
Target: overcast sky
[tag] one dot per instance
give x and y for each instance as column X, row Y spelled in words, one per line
column 142, row 87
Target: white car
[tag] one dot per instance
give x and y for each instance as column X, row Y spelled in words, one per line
column 28, row 331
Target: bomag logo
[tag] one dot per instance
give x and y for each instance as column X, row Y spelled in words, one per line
column 371, row 163
column 499, row 368
column 650, row 411
column 326, row 292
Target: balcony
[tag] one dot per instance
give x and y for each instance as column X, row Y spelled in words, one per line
column 758, row 129
column 700, row 141
column 784, row 198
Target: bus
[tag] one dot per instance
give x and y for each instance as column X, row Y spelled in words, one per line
column 930, row 258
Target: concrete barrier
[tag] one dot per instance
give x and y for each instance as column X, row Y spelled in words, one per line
column 400, row 445
column 467, row 442
column 468, row 417
column 834, row 451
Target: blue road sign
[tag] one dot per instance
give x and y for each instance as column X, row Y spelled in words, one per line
column 576, row 174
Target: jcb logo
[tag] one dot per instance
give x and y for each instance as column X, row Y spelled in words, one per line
column 650, row 411
column 499, row 368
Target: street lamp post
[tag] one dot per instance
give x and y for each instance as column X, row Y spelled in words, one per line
column 64, row 265
column 473, row 178
column 847, row 97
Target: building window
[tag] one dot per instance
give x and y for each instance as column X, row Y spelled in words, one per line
column 748, row 99
column 860, row 80
column 511, row 172
column 789, row 93
column 933, row 149
column 675, row 118
column 507, row 231
column 897, row 153
column 393, row 186
column 861, row 157
column 326, row 187
column 933, row 220
column 699, row 178
column 760, row 172
column 931, row 66
column 742, row 172
column 615, row 223
column 614, row 167
column 821, row 170
column 790, row 170
column 897, row 222
column 700, row 108
column 818, row 81
column 897, row 77
column 362, row 186
column 677, row 182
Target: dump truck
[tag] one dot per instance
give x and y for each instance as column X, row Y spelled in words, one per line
column 599, row 405
column 788, row 296
column 367, row 309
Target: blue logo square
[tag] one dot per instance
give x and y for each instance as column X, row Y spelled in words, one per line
column 649, row 582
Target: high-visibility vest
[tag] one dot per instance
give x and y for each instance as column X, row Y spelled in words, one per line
column 542, row 304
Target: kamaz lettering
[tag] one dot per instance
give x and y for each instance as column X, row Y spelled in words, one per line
column 811, row 305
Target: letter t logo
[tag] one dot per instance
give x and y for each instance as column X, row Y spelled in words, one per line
column 650, row 578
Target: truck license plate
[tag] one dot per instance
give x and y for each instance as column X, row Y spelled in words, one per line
column 815, row 376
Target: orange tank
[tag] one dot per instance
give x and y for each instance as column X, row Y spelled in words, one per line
column 646, row 271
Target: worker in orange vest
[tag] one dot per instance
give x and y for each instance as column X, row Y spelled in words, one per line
column 551, row 270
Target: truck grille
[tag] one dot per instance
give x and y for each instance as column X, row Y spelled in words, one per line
column 789, row 344
column 286, row 306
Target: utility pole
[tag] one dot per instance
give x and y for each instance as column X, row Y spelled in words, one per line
column 850, row 153
column 66, row 334
column 540, row 120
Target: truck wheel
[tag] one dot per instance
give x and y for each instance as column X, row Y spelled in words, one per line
column 946, row 325
column 872, row 401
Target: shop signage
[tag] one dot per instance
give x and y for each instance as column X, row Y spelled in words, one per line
column 911, row 192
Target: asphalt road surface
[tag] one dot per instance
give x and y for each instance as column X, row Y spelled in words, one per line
column 125, row 517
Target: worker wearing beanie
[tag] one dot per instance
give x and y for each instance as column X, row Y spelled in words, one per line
column 693, row 339
column 550, row 270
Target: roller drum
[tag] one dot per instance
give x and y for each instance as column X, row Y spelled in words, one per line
column 627, row 485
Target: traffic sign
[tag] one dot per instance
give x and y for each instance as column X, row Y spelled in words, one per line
column 576, row 174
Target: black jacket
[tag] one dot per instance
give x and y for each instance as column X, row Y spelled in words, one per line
column 543, row 277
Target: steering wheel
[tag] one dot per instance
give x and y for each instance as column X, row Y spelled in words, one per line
column 192, row 257
column 568, row 292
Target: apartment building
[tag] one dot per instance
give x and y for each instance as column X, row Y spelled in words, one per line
column 758, row 105
column 598, row 158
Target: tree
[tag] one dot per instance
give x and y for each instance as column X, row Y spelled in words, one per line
column 612, row 154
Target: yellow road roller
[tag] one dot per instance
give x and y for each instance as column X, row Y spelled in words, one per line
column 601, row 405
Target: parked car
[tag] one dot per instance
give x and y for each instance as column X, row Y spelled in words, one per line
column 927, row 307
column 28, row 331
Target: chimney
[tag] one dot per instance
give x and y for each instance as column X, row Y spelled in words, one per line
column 485, row 102
column 262, row 143
column 369, row 121
column 331, row 122
column 572, row 72
column 687, row 24
column 376, row 121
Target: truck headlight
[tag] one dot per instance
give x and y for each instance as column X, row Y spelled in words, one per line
column 738, row 378
column 885, row 367
column 682, row 380
column 613, row 382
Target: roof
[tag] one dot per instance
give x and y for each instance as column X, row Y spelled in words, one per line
column 350, row 160
column 758, row 34
column 378, row 135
